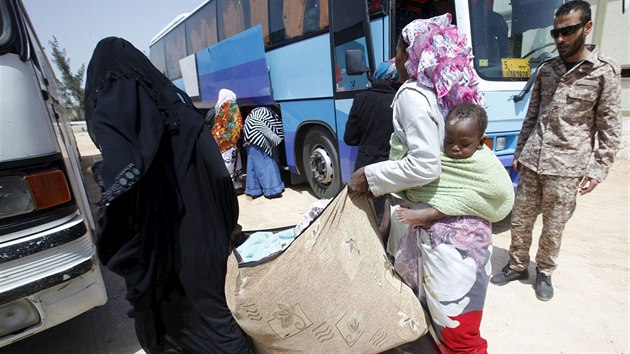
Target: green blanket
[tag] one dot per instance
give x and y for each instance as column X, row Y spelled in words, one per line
column 478, row 186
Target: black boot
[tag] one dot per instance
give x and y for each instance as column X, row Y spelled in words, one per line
column 508, row 274
column 544, row 289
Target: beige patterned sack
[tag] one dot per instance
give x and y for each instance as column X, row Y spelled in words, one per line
column 332, row 291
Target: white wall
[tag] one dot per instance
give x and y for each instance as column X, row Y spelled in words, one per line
column 611, row 34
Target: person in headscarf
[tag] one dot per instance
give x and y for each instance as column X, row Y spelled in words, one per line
column 168, row 208
column 262, row 133
column 226, row 131
column 435, row 64
column 369, row 124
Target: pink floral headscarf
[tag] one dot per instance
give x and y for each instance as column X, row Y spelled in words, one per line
column 439, row 58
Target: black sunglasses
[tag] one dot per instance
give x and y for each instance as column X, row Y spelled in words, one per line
column 566, row 31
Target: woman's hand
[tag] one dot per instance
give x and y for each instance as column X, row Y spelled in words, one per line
column 358, row 182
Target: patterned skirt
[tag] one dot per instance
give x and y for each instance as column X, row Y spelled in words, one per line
column 448, row 266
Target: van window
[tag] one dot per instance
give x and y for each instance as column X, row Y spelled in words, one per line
column 6, row 29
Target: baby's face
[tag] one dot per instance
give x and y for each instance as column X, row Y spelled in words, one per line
column 462, row 139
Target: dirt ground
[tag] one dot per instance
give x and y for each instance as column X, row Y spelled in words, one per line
column 590, row 311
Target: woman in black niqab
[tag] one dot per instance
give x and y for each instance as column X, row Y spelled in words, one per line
column 168, row 206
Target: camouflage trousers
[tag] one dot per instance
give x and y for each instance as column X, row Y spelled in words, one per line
column 555, row 197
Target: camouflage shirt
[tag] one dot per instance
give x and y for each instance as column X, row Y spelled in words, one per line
column 573, row 123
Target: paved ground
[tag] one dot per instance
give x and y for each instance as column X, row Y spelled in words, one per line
column 588, row 314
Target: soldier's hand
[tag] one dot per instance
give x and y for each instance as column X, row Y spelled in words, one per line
column 587, row 185
column 515, row 165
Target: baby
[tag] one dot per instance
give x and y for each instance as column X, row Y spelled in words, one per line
column 464, row 138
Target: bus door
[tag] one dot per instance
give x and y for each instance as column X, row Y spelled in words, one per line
column 238, row 64
column 352, row 51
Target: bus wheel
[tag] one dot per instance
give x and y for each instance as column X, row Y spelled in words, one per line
column 321, row 163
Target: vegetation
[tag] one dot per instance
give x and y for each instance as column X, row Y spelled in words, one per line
column 71, row 85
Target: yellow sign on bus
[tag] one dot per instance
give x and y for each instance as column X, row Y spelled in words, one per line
column 515, row 68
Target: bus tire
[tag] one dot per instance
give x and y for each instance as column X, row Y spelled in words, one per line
column 321, row 163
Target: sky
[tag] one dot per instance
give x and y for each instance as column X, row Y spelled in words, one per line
column 79, row 25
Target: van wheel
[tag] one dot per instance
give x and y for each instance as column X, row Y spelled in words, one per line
column 321, row 163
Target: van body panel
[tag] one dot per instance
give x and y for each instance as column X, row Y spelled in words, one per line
column 19, row 116
column 48, row 260
column 64, row 301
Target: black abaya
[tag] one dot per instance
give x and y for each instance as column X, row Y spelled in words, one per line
column 168, row 206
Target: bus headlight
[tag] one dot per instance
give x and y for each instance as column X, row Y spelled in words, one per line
column 17, row 315
column 500, row 143
column 41, row 190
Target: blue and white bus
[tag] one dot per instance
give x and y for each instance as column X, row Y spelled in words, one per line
column 293, row 53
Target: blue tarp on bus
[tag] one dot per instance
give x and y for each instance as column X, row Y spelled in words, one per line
column 237, row 63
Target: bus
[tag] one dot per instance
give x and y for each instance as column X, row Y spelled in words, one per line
column 310, row 58
column 49, row 271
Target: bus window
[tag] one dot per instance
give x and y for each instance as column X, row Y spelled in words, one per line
column 344, row 81
column 376, row 7
column 157, row 56
column 510, row 39
column 294, row 17
column 409, row 10
column 276, row 22
column 289, row 19
column 491, row 35
column 174, row 49
column 315, row 15
column 201, row 29
column 259, row 15
column 348, row 34
column 232, row 19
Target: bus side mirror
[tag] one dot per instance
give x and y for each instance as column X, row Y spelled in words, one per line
column 354, row 62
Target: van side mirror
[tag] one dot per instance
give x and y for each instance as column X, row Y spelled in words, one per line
column 354, row 62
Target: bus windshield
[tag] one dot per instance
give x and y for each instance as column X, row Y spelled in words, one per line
column 511, row 38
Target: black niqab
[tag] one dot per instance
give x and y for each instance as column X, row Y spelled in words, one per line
column 168, row 206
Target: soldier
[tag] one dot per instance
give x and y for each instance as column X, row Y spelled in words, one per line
column 576, row 100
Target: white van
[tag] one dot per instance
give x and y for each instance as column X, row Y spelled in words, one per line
column 49, row 271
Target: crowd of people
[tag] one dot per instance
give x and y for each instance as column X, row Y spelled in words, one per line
column 170, row 178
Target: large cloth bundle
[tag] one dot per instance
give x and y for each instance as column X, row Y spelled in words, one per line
column 333, row 290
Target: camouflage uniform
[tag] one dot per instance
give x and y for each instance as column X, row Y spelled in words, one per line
column 567, row 114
